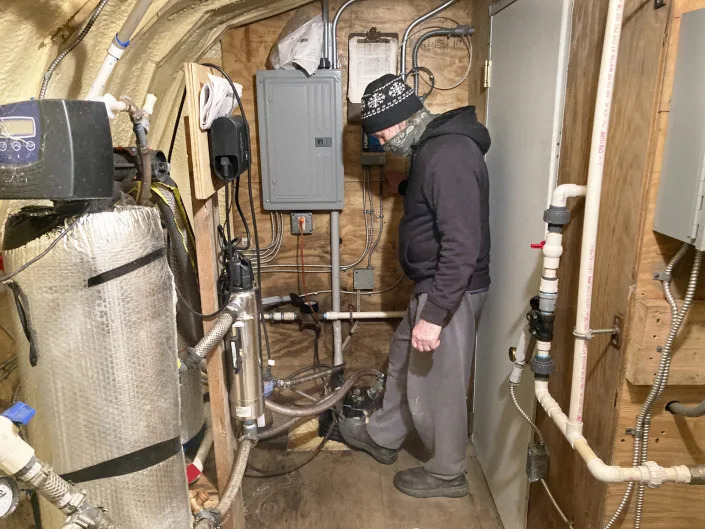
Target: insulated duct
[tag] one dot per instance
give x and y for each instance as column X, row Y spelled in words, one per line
column 101, row 312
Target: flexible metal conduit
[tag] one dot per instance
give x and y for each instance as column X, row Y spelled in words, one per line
column 82, row 35
column 420, row 20
column 459, row 31
column 660, row 383
column 656, row 389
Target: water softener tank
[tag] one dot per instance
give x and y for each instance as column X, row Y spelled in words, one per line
column 101, row 371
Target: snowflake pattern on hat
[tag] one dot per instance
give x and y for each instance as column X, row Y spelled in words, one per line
column 376, row 100
column 385, row 97
column 397, row 89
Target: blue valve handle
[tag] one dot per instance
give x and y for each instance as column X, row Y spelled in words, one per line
column 19, row 413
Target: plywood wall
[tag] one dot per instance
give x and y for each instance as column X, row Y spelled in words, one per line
column 672, row 440
column 245, row 51
column 628, row 147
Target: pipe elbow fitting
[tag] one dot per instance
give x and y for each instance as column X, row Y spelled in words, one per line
column 15, row 454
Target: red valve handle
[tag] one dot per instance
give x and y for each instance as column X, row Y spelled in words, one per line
column 538, row 245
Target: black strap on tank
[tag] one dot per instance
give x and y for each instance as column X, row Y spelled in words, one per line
column 127, row 464
column 126, row 268
column 20, row 303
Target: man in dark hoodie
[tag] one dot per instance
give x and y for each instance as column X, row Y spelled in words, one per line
column 444, row 247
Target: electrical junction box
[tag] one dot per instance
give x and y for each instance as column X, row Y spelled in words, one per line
column 372, row 151
column 680, row 212
column 308, row 223
column 364, row 279
column 301, row 140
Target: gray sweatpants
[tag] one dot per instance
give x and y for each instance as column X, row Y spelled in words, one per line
column 428, row 391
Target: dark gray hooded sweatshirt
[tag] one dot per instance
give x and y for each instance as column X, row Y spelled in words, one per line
column 444, row 236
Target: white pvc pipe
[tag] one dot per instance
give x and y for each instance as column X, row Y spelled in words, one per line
column 380, row 315
column 563, row 192
column 596, row 168
column 338, row 316
column 106, row 69
column 649, row 473
column 203, row 450
column 117, row 47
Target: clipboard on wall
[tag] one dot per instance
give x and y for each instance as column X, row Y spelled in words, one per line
column 370, row 55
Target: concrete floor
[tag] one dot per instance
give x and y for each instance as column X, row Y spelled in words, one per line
column 349, row 490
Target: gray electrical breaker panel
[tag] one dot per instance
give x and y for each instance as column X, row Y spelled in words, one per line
column 680, row 211
column 301, row 139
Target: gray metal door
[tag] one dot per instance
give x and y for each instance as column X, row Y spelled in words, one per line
column 528, row 49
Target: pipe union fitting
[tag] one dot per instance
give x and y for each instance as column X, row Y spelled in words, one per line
column 697, row 475
column 557, row 215
column 654, row 475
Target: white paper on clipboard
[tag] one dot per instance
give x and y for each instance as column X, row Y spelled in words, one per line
column 368, row 61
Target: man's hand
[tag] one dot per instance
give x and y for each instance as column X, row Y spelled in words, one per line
column 426, row 336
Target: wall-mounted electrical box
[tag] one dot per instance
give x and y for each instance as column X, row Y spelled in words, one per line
column 680, row 212
column 301, row 139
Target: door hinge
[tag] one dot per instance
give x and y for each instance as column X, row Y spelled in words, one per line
column 487, row 74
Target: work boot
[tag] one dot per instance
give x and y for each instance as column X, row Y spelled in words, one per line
column 354, row 432
column 418, row 483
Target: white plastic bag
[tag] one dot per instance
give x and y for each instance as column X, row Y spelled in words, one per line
column 300, row 43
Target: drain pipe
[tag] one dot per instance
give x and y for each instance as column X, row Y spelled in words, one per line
column 420, row 20
column 117, row 47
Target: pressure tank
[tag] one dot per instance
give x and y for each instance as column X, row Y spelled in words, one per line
column 100, row 313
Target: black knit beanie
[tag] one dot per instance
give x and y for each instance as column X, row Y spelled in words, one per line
column 388, row 101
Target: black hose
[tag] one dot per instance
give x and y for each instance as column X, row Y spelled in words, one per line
column 261, row 473
column 676, row 408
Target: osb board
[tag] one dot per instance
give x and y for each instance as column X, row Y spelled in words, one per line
column 245, row 51
column 626, row 167
column 673, row 440
column 650, row 327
